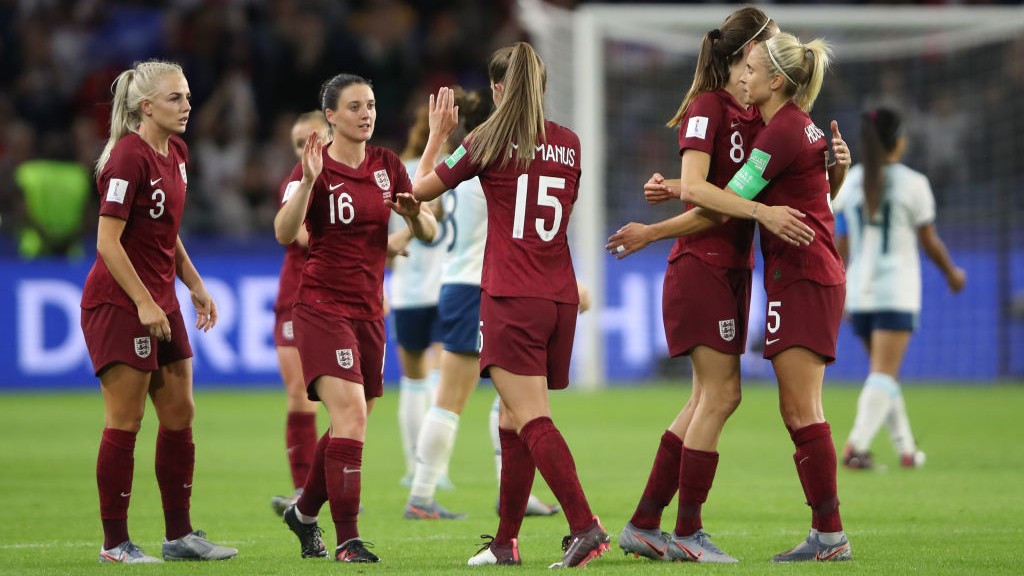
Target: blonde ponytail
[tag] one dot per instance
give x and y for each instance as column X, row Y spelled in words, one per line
column 802, row 65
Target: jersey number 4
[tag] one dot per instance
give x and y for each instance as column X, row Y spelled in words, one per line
column 544, row 183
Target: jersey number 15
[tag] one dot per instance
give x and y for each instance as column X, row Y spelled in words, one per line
column 544, row 184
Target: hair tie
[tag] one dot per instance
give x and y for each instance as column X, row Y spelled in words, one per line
column 715, row 34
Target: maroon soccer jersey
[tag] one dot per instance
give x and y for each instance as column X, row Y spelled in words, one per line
column 527, row 251
column 717, row 124
column 347, row 221
column 147, row 190
column 291, row 268
column 791, row 150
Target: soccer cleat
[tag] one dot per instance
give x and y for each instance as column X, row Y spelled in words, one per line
column 697, row 547
column 856, row 460
column 354, row 550
column 583, row 546
column 915, row 460
column 310, row 535
column 496, row 554
column 814, row 550
column 195, row 546
column 535, row 507
column 651, row 544
column 127, row 553
column 281, row 503
column 431, row 511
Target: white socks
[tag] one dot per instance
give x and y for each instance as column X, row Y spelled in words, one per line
column 898, row 424
column 433, row 451
column 413, row 402
column 873, row 408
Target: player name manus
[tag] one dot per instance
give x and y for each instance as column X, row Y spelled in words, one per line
column 551, row 153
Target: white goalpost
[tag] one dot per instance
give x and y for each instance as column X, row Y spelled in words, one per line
column 617, row 72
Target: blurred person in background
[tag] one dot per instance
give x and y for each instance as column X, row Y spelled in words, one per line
column 706, row 297
column 415, row 289
column 883, row 212
column 529, row 168
column 804, row 278
column 300, row 424
column 343, row 193
column 132, row 323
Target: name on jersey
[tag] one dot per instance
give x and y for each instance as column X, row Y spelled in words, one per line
column 813, row 133
column 551, row 153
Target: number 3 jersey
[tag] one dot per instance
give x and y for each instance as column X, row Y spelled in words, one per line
column 347, row 221
column 527, row 251
column 146, row 189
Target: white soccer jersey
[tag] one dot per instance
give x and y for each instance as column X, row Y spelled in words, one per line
column 416, row 278
column 884, row 265
column 466, row 217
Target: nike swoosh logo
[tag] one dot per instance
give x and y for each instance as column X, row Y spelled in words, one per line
column 153, row 182
column 660, row 552
column 348, row 470
column 336, row 186
column 694, row 557
column 826, row 557
column 772, row 341
column 125, row 494
column 186, row 486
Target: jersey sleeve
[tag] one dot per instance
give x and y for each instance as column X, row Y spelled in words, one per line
column 457, row 167
column 700, row 124
column 922, row 202
column 290, row 184
column 403, row 184
column 118, row 183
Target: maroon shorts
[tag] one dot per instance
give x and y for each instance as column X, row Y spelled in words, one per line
column 284, row 331
column 113, row 334
column 805, row 314
column 352, row 350
column 705, row 305
column 527, row 336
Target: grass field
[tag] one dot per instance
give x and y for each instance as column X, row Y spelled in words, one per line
column 961, row 514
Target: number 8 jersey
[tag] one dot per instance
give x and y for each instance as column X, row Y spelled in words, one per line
column 527, row 251
column 146, row 189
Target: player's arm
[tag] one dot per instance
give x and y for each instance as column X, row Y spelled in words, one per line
column 206, row 308
column 935, row 248
column 838, row 169
column 443, row 119
column 418, row 216
column 290, row 216
column 108, row 246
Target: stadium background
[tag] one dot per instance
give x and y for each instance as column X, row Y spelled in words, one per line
column 253, row 65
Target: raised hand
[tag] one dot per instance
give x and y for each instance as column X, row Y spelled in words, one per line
column 840, row 151
column 312, row 157
column 444, row 114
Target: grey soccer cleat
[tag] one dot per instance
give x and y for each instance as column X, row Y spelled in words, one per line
column 651, row 544
column 281, row 503
column 127, row 553
column 814, row 550
column 195, row 546
column 430, row 511
column 536, row 507
column 697, row 547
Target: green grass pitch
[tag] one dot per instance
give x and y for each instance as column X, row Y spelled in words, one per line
column 961, row 514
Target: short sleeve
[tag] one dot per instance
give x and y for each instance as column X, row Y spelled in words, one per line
column 119, row 182
column 457, row 167
column 775, row 150
column 700, row 124
column 922, row 202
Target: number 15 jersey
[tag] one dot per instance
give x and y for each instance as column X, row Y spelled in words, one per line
column 527, row 252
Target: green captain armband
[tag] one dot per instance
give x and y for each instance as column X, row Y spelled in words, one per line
column 748, row 181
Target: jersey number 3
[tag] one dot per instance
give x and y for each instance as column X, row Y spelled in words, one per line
column 544, row 184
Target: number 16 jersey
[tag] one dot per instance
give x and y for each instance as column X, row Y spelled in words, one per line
column 527, row 252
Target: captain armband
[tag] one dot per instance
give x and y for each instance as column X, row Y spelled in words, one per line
column 747, row 182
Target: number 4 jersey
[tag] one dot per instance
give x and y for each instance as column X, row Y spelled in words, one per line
column 146, row 189
column 527, row 252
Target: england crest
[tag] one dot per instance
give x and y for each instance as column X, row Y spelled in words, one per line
column 383, row 182
column 143, row 346
column 345, row 359
column 727, row 329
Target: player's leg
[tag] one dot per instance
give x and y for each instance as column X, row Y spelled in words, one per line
column 874, row 402
column 891, row 346
column 300, row 424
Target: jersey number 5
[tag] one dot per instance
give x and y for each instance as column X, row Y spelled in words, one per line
column 544, row 184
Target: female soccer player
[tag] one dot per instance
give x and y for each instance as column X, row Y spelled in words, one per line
column 706, row 297
column 529, row 169
column 883, row 211
column 300, row 426
column 132, row 323
column 344, row 192
column 803, row 276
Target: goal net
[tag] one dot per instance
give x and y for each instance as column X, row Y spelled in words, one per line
column 616, row 74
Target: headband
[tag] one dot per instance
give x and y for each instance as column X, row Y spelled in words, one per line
column 775, row 63
column 756, row 34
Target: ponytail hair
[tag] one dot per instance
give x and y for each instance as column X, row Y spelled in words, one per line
column 130, row 88
column 720, row 49
column 880, row 132
column 802, row 65
column 519, row 117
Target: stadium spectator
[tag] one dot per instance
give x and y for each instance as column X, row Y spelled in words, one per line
column 415, row 289
column 344, row 193
column 706, row 297
column 529, row 169
column 132, row 323
column 883, row 211
column 300, row 423
column 803, row 278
